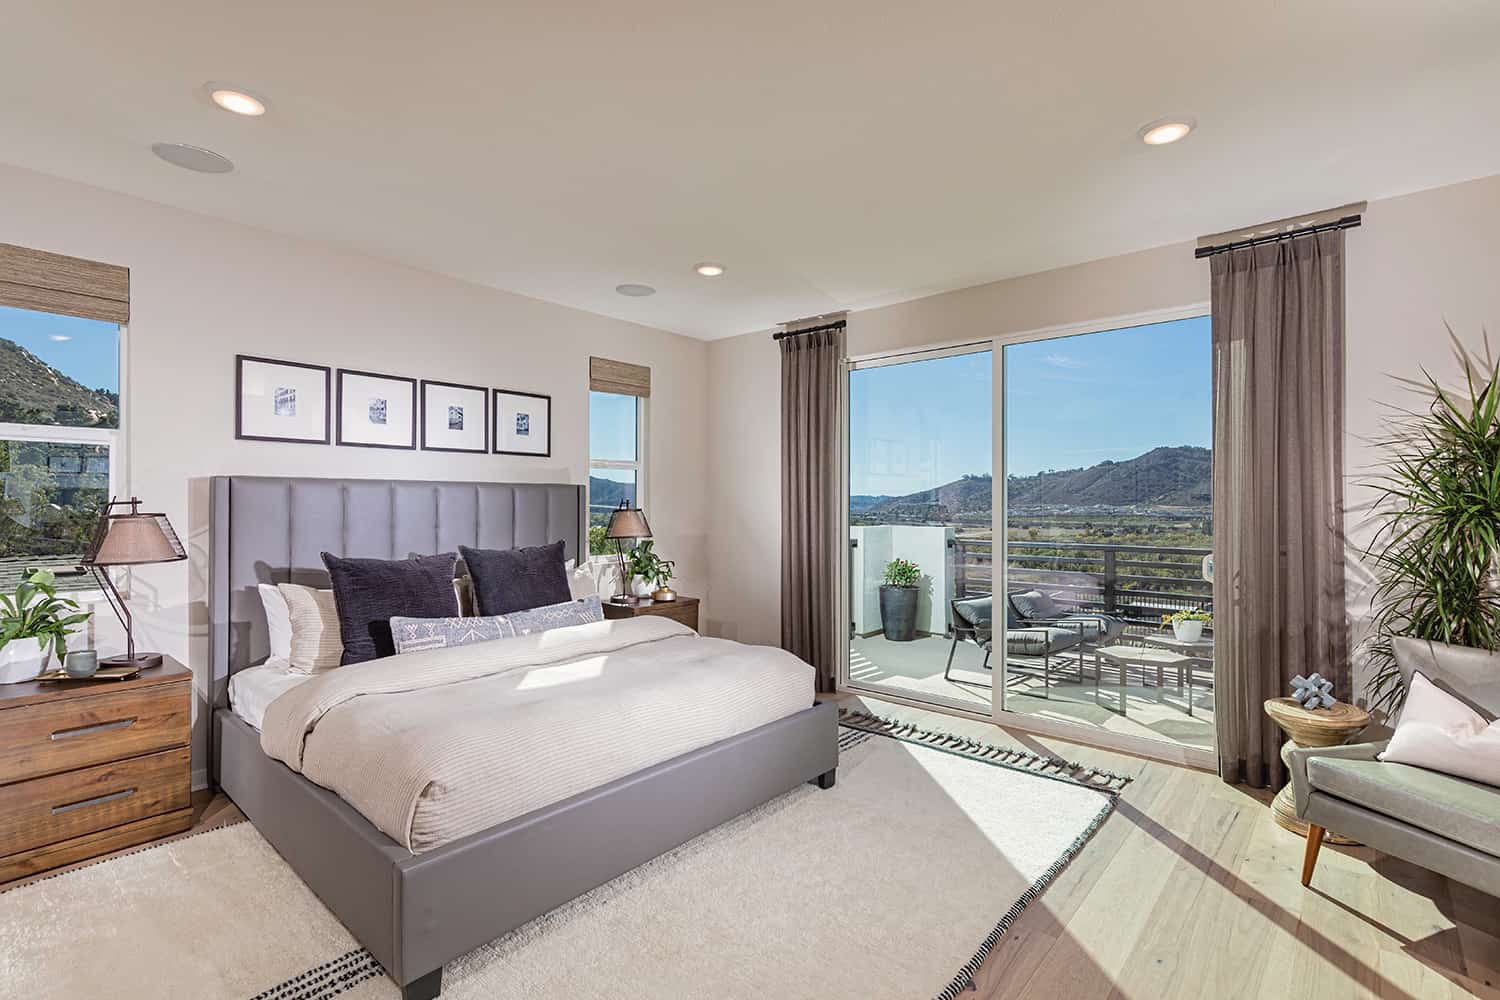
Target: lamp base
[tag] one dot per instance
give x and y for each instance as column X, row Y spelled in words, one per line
column 627, row 600
column 140, row 661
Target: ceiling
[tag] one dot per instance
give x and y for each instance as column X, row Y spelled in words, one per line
column 832, row 154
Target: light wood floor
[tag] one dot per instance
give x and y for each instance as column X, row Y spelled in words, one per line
column 1190, row 890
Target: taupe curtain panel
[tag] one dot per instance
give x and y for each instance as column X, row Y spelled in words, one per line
column 1278, row 346
column 72, row 286
column 810, row 370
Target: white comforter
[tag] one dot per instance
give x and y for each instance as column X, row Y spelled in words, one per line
column 435, row 745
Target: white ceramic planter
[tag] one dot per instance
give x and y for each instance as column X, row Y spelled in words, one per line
column 22, row 660
column 1188, row 630
column 641, row 587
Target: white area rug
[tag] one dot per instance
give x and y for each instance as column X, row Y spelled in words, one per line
column 893, row 884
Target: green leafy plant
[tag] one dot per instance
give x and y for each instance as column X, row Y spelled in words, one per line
column 1193, row 615
column 1438, row 514
column 36, row 612
column 902, row 573
column 643, row 562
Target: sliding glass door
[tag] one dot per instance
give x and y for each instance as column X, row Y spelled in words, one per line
column 920, row 524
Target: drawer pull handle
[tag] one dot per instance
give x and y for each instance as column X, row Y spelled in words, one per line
column 95, row 801
column 63, row 734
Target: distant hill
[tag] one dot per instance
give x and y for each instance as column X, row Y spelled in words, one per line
column 1166, row 477
column 608, row 492
column 33, row 392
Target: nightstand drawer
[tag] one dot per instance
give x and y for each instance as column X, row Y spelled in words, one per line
column 57, row 736
column 63, row 806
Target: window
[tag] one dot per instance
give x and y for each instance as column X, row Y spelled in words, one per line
column 616, row 459
column 59, row 440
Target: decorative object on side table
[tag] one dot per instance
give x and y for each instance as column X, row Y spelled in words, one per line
column 523, row 423
column 625, row 522
column 1304, row 727
column 129, row 538
column 91, row 767
column 645, row 565
column 281, row 401
column 376, row 411
column 680, row 609
column 34, row 624
column 898, row 600
column 81, row 664
column 1187, row 626
column 1312, row 692
column 1434, row 552
column 455, row 417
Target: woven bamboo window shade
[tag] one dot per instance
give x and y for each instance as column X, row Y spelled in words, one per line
column 619, row 376
column 51, row 282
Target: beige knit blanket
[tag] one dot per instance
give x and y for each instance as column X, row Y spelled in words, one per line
column 435, row 745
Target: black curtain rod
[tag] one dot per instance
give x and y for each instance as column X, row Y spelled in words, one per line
column 1347, row 222
column 838, row 325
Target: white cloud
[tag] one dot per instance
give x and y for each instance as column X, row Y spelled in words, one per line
column 1064, row 361
column 59, row 338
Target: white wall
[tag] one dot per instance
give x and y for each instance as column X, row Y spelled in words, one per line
column 877, row 545
column 1418, row 259
column 203, row 290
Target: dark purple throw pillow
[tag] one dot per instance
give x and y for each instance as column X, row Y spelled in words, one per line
column 507, row 580
column 368, row 593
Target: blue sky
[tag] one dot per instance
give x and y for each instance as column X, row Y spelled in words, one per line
column 1072, row 402
column 85, row 350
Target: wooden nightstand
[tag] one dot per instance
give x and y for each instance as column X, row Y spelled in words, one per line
column 90, row 767
column 684, row 609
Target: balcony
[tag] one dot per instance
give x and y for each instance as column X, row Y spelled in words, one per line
column 1137, row 584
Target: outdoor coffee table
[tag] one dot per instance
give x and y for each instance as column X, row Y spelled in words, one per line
column 1122, row 658
column 1200, row 653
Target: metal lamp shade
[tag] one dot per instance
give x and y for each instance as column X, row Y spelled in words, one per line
column 134, row 539
column 628, row 522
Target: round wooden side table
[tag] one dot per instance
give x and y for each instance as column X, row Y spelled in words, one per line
column 1319, row 727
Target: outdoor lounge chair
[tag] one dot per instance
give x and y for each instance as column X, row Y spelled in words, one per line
column 1035, row 609
column 973, row 621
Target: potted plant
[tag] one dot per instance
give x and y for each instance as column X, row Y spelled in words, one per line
column 1438, row 517
column 898, row 600
column 648, row 570
column 1187, row 626
column 34, row 623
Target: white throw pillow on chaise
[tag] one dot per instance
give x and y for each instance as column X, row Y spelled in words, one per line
column 1441, row 733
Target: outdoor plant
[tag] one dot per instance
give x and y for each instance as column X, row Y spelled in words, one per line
column 902, row 573
column 1438, row 517
column 36, row 612
column 641, row 561
column 1194, row 615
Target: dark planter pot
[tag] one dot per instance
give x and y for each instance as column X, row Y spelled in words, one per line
column 898, row 613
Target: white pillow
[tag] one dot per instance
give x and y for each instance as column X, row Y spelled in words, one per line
column 463, row 589
column 278, row 621
column 316, row 644
column 1441, row 733
column 581, row 580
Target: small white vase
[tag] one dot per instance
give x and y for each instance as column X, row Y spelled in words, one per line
column 1188, row 630
column 640, row 586
column 23, row 660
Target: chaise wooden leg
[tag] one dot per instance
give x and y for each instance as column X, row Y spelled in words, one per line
column 826, row 779
column 1310, row 859
column 426, row 988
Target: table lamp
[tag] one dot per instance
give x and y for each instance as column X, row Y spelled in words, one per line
column 129, row 538
column 625, row 522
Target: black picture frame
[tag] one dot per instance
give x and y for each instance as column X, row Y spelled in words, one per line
column 496, row 437
column 239, row 400
column 339, row 411
column 484, row 395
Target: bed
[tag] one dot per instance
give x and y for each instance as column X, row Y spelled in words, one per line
column 427, row 889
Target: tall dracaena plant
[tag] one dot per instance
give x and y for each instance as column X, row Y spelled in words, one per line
column 1439, row 522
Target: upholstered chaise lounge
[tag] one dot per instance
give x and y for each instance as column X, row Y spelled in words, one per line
column 1447, row 824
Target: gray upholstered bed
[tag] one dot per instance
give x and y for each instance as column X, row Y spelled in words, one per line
column 414, row 912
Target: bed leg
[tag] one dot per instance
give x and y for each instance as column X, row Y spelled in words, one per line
column 826, row 779
column 426, row 988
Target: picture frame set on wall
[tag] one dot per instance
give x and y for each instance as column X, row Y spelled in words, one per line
column 292, row 402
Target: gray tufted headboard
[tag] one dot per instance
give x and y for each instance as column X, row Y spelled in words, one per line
column 272, row 529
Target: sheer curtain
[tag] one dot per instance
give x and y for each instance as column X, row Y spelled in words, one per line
column 1278, row 334
column 810, row 524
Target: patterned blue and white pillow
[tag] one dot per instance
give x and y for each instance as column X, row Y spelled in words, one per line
column 411, row 634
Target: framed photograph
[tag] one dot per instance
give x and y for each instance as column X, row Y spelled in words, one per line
column 281, row 400
column 455, row 417
column 523, row 423
column 376, row 411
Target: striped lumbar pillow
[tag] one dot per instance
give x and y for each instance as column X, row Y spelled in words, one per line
column 315, row 628
column 412, row 634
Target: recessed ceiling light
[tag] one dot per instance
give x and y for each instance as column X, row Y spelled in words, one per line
column 709, row 269
column 180, row 154
column 238, row 102
column 635, row 291
column 1166, row 130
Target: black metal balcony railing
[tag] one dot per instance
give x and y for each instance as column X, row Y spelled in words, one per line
column 1139, row 583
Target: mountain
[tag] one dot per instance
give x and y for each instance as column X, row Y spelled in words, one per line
column 1166, row 477
column 609, row 492
column 33, row 392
